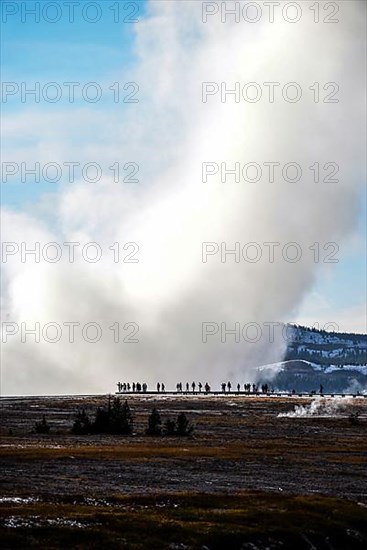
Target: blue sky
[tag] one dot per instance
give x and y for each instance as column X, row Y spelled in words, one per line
column 78, row 51
column 63, row 51
column 104, row 52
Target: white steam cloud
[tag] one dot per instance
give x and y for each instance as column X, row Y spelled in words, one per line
column 170, row 133
column 320, row 406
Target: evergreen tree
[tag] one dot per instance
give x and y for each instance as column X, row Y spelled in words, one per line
column 154, row 423
column 183, row 425
column 82, row 425
column 101, row 421
column 121, row 418
column 115, row 419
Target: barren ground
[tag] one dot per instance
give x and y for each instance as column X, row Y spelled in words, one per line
column 245, row 479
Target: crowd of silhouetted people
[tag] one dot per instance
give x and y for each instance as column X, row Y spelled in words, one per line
column 198, row 387
column 134, row 387
column 194, row 387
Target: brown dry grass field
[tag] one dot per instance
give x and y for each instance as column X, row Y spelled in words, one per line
column 245, row 479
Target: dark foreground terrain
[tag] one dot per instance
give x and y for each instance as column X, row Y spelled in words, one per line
column 245, row 479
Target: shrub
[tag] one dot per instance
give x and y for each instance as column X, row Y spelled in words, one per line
column 42, row 427
column 181, row 427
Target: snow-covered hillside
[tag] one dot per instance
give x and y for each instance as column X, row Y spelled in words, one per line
column 337, row 361
column 326, row 348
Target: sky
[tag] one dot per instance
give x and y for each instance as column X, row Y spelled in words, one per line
column 152, row 130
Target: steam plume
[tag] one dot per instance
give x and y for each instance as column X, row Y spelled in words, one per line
column 171, row 132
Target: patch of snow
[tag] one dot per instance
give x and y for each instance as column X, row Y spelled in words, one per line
column 358, row 368
column 16, row 522
column 18, row 500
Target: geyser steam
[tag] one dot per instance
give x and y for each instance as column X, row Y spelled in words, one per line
column 170, row 292
column 319, row 407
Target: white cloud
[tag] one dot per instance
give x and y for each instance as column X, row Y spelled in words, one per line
column 170, row 292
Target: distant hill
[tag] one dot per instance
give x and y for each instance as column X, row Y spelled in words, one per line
column 326, row 348
column 337, row 360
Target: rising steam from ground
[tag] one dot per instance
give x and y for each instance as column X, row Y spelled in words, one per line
column 170, row 292
column 320, row 406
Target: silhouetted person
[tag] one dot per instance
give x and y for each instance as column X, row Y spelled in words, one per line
column 200, row 387
column 187, row 387
column 238, row 387
column 207, row 387
column 321, row 389
column 119, row 386
column 133, row 386
column 145, row 387
column 223, row 388
column 128, row 386
column 163, row 388
column 229, row 385
column 158, row 387
column 193, row 385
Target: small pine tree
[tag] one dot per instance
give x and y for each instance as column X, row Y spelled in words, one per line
column 82, row 425
column 115, row 416
column 183, row 425
column 169, row 427
column 154, row 423
column 101, row 421
column 121, row 418
column 115, row 419
column 42, row 427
